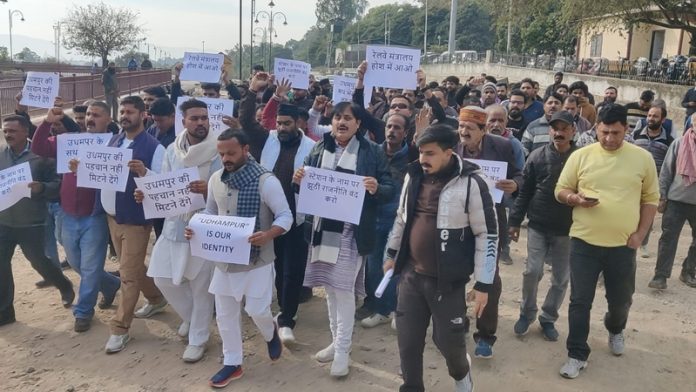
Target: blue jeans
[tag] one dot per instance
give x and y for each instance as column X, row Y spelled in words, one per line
column 85, row 240
column 374, row 274
column 52, row 232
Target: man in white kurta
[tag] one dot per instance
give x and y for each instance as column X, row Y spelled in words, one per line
column 244, row 188
column 183, row 278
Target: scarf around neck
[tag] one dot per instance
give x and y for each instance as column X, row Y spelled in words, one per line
column 246, row 181
column 199, row 155
column 686, row 157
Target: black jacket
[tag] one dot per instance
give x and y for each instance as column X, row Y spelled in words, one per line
column 536, row 197
column 372, row 162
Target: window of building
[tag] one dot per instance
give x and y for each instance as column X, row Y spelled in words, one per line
column 596, row 45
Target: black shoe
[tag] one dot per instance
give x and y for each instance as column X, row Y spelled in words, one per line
column 106, row 302
column 82, row 325
column 7, row 317
column 275, row 346
column 67, row 297
column 42, row 284
column 658, row 283
column 64, row 265
column 687, row 279
column 549, row 331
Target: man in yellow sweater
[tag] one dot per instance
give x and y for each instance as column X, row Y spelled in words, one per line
column 613, row 187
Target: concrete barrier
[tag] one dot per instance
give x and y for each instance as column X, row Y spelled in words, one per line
column 629, row 90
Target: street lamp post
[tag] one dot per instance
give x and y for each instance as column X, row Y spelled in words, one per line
column 263, row 32
column 251, row 39
column 203, row 46
column 425, row 31
column 271, row 31
column 11, row 13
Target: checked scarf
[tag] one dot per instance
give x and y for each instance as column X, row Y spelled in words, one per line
column 246, row 181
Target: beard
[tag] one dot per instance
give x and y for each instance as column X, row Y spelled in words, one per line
column 515, row 114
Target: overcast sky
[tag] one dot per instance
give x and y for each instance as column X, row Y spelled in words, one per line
column 173, row 23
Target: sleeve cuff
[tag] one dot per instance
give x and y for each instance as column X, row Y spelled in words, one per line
column 483, row 287
column 391, row 253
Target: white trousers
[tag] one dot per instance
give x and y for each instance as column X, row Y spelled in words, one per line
column 229, row 323
column 192, row 302
column 341, row 304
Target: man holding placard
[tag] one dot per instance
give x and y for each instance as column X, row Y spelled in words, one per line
column 23, row 223
column 130, row 231
column 85, row 231
column 490, row 150
column 183, row 278
column 110, row 83
column 244, row 188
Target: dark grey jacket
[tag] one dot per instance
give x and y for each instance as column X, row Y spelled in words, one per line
column 536, row 197
column 32, row 211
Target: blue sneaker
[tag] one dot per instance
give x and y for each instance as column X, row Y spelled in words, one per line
column 275, row 346
column 549, row 331
column 521, row 326
column 226, row 375
column 483, row 350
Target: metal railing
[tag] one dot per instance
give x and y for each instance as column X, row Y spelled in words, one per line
column 77, row 89
column 678, row 70
column 59, row 68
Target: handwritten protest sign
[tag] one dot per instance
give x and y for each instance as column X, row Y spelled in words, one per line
column 493, row 171
column 14, row 185
column 295, row 71
column 222, row 238
column 217, row 107
column 41, row 89
column 104, row 168
column 168, row 194
column 68, row 143
column 390, row 66
column 343, row 88
column 202, row 67
column 332, row 195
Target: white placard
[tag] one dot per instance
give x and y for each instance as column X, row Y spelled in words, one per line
column 41, row 89
column 393, row 67
column 297, row 72
column 168, row 194
column 332, row 195
column 14, row 185
column 222, row 238
column 104, row 168
column 67, row 145
column 343, row 88
column 217, row 107
column 493, row 171
column 202, row 67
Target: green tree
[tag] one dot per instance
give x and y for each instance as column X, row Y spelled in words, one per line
column 100, row 30
column 329, row 11
column 27, row 55
column 4, row 54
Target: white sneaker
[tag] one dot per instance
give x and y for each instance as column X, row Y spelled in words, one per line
column 617, row 343
column 286, row 335
column 393, row 323
column 644, row 252
column 116, row 343
column 326, row 355
column 465, row 384
column 339, row 367
column 148, row 310
column 572, row 368
column 375, row 320
column 183, row 330
column 193, row 353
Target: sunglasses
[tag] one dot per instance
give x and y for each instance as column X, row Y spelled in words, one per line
column 398, row 106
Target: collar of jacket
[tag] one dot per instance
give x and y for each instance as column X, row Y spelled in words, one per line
column 464, row 168
column 330, row 142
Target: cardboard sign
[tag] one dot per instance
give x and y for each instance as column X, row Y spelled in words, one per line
column 103, row 167
column 202, row 67
column 222, row 238
column 168, row 194
column 40, row 89
column 332, row 195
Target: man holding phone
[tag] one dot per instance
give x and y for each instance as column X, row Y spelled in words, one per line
column 613, row 189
